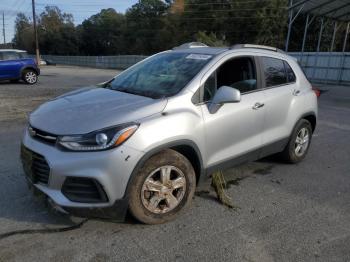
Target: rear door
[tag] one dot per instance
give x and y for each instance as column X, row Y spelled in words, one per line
column 279, row 89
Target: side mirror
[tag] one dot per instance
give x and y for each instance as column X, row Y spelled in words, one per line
column 224, row 95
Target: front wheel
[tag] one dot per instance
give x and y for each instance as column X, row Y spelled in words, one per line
column 163, row 187
column 299, row 142
column 30, row 77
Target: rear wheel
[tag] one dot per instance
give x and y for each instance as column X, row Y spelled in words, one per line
column 163, row 187
column 299, row 142
column 29, row 76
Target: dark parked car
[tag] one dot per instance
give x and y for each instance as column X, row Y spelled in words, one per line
column 16, row 65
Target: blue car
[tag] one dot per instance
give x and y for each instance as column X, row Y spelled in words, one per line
column 15, row 65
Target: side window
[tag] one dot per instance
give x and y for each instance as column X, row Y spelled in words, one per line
column 239, row 73
column 290, row 74
column 1, row 56
column 274, row 71
column 10, row 56
column 22, row 55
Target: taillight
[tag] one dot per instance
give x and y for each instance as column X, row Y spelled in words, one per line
column 317, row 91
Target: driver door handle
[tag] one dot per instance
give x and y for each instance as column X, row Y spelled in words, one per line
column 258, row 105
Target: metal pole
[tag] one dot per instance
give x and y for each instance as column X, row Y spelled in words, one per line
column 318, row 48
column 289, row 25
column 334, row 33
column 320, row 36
column 3, row 27
column 304, row 38
column 344, row 48
column 346, row 36
column 330, row 54
column 35, row 34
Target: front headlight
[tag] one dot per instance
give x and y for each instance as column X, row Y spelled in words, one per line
column 99, row 140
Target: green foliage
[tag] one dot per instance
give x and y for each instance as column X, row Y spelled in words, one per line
column 219, row 184
column 209, row 39
column 57, row 32
column 150, row 26
column 272, row 22
column 24, row 35
column 103, row 33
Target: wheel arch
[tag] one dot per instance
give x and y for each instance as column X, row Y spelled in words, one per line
column 311, row 117
column 30, row 68
column 187, row 148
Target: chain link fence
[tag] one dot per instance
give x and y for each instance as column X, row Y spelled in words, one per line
column 115, row 62
column 322, row 68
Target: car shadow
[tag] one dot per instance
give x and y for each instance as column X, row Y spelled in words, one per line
column 7, row 82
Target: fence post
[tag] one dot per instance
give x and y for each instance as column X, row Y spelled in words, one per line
column 331, row 50
column 340, row 76
column 318, row 48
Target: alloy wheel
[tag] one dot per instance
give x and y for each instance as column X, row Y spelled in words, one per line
column 30, row 77
column 163, row 189
column 302, row 142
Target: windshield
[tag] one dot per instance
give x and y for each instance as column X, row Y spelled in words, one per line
column 163, row 75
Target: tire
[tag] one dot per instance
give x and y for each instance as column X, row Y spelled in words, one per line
column 29, row 76
column 152, row 195
column 291, row 154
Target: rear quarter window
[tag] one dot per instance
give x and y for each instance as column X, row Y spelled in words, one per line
column 290, row 73
column 274, row 71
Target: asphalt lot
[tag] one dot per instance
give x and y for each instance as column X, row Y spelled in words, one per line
column 287, row 212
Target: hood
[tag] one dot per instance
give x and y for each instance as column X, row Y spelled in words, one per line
column 90, row 109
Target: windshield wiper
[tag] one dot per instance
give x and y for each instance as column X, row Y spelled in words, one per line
column 148, row 94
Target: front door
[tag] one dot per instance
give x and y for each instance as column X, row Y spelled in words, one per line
column 234, row 131
column 10, row 65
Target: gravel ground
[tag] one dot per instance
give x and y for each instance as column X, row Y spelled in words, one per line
column 287, row 212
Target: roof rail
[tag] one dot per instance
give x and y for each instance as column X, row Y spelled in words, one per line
column 270, row 48
column 190, row 45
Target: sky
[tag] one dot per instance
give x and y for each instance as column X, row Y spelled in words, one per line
column 81, row 9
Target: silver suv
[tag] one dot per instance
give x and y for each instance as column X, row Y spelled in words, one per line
column 142, row 141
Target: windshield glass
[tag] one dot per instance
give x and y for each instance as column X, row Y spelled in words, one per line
column 163, row 75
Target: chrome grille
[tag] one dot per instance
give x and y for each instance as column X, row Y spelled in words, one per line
column 42, row 135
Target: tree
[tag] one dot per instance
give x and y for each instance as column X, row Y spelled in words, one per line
column 103, row 34
column 57, row 33
column 24, row 35
column 209, row 39
column 271, row 24
column 146, row 31
column 150, row 26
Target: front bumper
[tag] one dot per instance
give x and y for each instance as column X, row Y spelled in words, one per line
column 111, row 169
